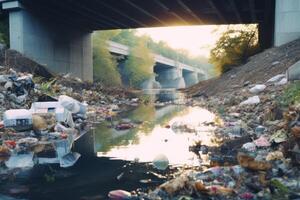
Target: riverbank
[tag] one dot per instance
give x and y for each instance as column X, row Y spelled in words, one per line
column 258, row 134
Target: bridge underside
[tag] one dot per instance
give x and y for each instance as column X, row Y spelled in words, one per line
column 121, row 14
column 58, row 33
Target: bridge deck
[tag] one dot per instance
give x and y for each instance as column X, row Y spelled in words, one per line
column 121, row 49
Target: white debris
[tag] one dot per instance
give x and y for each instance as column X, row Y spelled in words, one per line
column 282, row 82
column 257, row 88
column 251, row 100
column 276, row 78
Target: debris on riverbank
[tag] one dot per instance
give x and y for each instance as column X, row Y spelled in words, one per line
column 258, row 156
column 42, row 118
column 259, row 68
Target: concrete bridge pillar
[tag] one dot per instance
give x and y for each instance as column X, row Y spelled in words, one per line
column 287, row 26
column 63, row 49
column 170, row 78
column 190, row 78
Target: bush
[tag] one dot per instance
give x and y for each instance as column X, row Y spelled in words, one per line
column 291, row 95
column 139, row 65
column 234, row 47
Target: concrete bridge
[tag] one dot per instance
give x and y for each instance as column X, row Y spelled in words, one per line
column 170, row 73
column 57, row 33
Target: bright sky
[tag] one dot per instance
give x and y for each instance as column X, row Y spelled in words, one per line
column 198, row 40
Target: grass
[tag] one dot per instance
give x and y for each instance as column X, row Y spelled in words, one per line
column 46, row 86
column 291, row 95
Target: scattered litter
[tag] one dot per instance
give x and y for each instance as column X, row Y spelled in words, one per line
column 251, row 100
column 257, row 89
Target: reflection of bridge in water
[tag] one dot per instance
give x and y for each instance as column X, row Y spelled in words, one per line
column 170, row 73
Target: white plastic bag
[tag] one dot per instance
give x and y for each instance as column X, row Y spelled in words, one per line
column 257, row 88
column 251, row 100
column 72, row 105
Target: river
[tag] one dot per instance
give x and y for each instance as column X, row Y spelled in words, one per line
column 123, row 159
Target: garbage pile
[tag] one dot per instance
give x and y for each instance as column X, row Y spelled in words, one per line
column 42, row 134
column 43, row 118
column 258, row 156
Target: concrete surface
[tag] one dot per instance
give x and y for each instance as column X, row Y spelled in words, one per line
column 62, row 48
column 287, row 25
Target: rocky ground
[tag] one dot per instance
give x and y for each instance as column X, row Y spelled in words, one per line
column 258, row 128
column 258, row 134
column 258, row 69
column 39, row 133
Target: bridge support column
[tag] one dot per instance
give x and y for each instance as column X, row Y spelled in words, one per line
column 171, row 78
column 61, row 48
column 190, row 78
column 287, row 26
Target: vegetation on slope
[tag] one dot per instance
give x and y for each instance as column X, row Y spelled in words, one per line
column 234, row 47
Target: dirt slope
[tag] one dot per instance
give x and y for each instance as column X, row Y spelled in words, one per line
column 258, row 69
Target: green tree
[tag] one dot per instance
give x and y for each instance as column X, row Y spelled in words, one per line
column 105, row 66
column 234, row 47
column 139, row 65
column 126, row 37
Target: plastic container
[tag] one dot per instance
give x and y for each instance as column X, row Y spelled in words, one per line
column 18, row 119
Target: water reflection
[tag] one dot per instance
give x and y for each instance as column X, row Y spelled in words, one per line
column 168, row 130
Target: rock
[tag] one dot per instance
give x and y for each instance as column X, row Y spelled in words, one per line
column 257, row 89
column 4, row 151
column 296, row 131
column 233, row 145
column 161, row 162
column 175, row 185
column 251, row 100
column 39, row 123
column 249, row 163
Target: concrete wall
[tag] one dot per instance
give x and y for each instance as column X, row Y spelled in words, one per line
column 63, row 49
column 287, row 25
